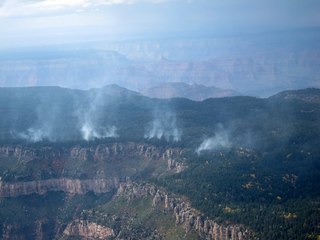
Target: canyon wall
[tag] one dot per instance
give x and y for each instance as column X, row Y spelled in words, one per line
column 102, row 152
column 70, row 186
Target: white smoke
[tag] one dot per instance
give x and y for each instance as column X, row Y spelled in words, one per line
column 90, row 126
column 89, row 132
column 33, row 135
column 164, row 125
column 45, row 126
column 218, row 141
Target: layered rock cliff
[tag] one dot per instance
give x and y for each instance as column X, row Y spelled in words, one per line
column 70, row 186
column 96, row 152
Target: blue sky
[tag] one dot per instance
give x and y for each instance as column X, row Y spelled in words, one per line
column 45, row 22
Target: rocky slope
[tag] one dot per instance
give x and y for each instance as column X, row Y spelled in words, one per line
column 87, row 230
column 184, row 214
column 163, row 205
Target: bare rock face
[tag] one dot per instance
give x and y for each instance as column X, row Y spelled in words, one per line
column 88, row 230
column 185, row 215
column 71, row 186
column 133, row 191
column 175, row 160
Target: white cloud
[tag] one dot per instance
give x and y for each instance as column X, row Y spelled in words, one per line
column 60, row 4
column 14, row 8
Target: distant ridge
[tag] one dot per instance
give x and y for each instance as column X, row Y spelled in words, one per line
column 195, row 92
column 116, row 90
column 311, row 95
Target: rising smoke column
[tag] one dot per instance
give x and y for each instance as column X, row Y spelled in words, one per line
column 218, row 141
column 33, row 135
column 164, row 125
column 89, row 131
column 62, row 115
column 49, row 122
column 90, row 127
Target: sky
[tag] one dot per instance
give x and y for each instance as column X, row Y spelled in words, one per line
column 46, row 22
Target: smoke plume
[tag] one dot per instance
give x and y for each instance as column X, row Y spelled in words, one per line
column 32, row 135
column 164, row 126
column 89, row 132
column 218, row 141
column 90, row 125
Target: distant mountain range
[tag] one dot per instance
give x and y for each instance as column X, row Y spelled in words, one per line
column 259, row 65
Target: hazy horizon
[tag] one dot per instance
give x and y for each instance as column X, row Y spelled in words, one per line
column 52, row 22
column 254, row 47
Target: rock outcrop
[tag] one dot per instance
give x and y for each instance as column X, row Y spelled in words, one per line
column 98, row 153
column 175, row 160
column 71, row 186
column 103, row 152
column 28, row 153
column 190, row 218
column 88, row 230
